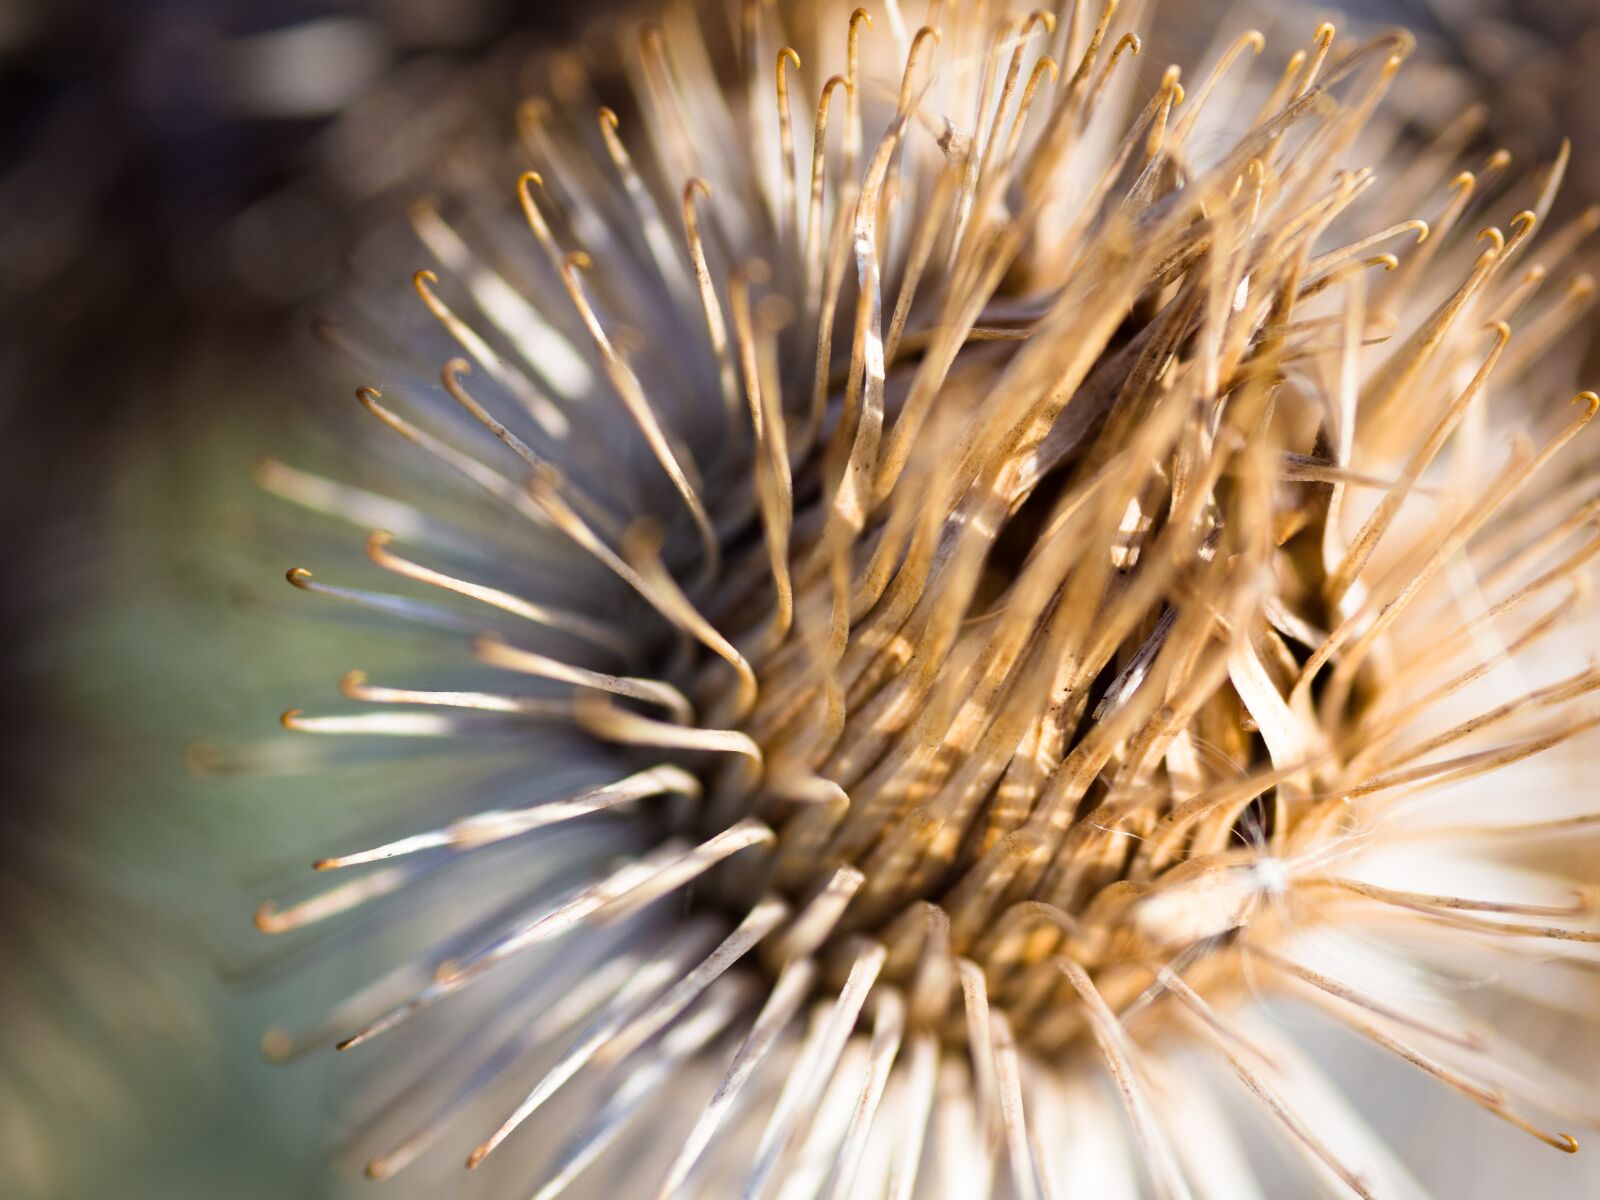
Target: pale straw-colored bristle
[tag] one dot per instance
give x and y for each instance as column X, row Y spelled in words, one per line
column 1019, row 573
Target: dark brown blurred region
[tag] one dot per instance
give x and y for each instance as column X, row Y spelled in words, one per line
column 179, row 179
column 1529, row 63
column 1535, row 59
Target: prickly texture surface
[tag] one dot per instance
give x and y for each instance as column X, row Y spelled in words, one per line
column 940, row 575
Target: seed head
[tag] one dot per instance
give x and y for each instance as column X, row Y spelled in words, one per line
column 953, row 574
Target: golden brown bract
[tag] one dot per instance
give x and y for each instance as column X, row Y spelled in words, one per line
column 992, row 548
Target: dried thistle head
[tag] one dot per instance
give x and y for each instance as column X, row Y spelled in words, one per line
column 942, row 576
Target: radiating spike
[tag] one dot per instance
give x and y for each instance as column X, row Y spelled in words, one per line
column 646, row 983
column 596, row 714
column 888, row 1027
column 356, row 505
column 494, row 825
column 587, row 992
column 788, row 993
column 1024, row 1178
column 640, row 1087
column 1292, row 1122
column 980, row 1045
column 465, row 465
column 395, row 606
column 761, row 920
column 1114, row 1048
column 810, row 1078
column 598, row 633
column 496, row 653
column 272, row 919
column 818, row 919
column 631, row 391
column 921, row 1080
column 415, row 725
column 641, row 547
column 541, row 345
column 633, row 884
column 354, row 686
column 548, row 417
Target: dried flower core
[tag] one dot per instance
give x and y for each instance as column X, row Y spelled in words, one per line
column 1025, row 516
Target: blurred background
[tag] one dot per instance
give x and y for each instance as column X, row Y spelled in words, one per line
column 180, row 180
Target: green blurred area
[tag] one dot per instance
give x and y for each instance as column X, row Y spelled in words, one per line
column 181, row 646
